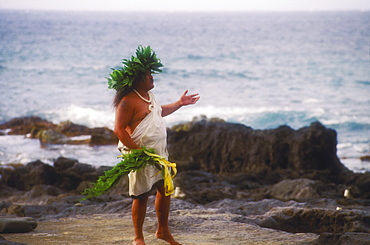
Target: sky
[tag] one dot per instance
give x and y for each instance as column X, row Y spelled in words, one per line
column 187, row 5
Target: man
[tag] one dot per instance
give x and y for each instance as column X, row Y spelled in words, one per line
column 139, row 123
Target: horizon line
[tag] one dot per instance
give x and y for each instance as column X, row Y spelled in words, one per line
column 184, row 11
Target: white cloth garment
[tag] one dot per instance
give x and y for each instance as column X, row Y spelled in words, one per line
column 150, row 133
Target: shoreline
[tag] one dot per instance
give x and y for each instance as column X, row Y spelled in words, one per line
column 89, row 145
column 352, row 163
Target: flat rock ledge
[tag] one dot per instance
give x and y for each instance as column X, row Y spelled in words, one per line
column 17, row 225
column 228, row 221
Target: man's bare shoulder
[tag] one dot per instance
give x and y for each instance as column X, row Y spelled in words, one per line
column 127, row 102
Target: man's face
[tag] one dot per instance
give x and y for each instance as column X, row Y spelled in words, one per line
column 148, row 83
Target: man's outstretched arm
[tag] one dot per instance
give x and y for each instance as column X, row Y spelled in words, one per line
column 184, row 100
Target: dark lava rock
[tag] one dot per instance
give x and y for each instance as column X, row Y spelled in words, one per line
column 219, row 147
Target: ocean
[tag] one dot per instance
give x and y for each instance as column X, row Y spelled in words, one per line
column 260, row 69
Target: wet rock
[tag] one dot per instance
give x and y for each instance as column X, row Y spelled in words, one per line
column 3, row 241
column 218, row 147
column 348, row 238
column 34, row 173
column 72, row 173
column 365, row 158
column 63, row 163
column 17, row 225
column 72, row 165
column 359, row 185
column 49, row 133
column 298, row 189
column 51, row 136
column 202, row 187
column 315, row 220
column 247, row 207
column 71, row 129
column 14, row 209
column 84, row 185
column 103, row 136
column 42, row 181
column 41, row 194
column 27, row 125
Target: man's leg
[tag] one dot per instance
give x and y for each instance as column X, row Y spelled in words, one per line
column 138, row 216
column 162, row 207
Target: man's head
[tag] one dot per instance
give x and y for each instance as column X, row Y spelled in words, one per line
column 136, row 69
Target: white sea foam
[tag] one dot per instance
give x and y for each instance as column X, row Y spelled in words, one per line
column 341, row 119
column 84, row 115
column 311, row 101
column 17, row 149
column 256, row 117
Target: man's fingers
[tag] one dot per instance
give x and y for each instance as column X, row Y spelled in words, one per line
column 186, row 91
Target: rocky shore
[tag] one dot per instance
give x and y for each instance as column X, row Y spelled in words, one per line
column 236, row 186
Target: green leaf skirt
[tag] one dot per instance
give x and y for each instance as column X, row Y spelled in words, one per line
column 133, row 161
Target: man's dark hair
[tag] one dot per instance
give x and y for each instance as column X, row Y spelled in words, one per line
column 123, row 92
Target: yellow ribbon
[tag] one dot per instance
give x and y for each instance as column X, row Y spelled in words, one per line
column 169, row 187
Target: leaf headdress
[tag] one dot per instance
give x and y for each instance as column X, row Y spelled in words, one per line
column 135, row 68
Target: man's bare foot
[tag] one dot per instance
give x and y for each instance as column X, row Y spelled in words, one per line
column 166, row 236
column 138, row 241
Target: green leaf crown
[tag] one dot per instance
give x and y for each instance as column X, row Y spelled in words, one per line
column 134, row 68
